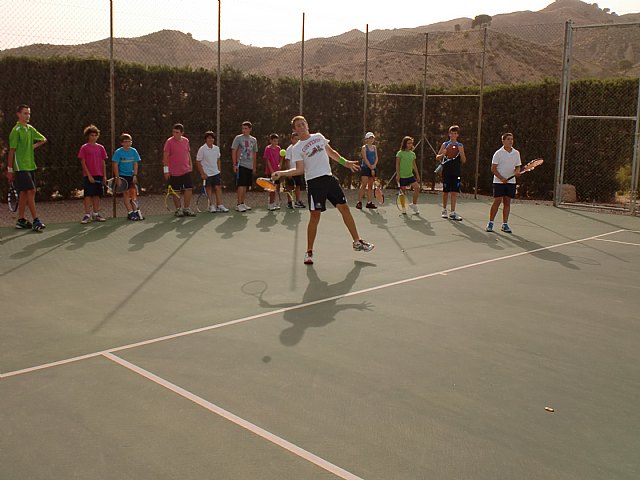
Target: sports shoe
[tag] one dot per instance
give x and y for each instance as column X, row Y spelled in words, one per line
column 444, row 213
column 188, row 212
column 271, row 206
column 247, row 207
column 23, row 223
column 179, row 212
column 414, row 207
column 299, row 205
column 133, row 216
column 362, row 246
column 86, row 218
column 489, row 227
column 359, row 205
column 212, row 209
column 37, row 226
column 371, row 205
column 308, row 257
column 455, row 216
column 241, row 208
column 290, row 205
column 98, row 217
column 222, row 209
column 505, row 228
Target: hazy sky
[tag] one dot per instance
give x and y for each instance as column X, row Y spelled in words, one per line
column 261, row 23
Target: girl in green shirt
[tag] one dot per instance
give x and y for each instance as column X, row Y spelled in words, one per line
column 407, row 171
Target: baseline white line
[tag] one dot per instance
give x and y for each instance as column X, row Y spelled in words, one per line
column 261, row 432
column 295, row 307
column 617, row 241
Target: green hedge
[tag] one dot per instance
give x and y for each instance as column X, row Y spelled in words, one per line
column 67, row 94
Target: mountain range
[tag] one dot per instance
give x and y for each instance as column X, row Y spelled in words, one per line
column 522, row 46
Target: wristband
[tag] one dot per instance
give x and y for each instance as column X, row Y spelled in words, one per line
column 342, row 161
column 165, row 169
column 9, row 169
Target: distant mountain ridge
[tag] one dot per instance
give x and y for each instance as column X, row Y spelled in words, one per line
column 522, row 46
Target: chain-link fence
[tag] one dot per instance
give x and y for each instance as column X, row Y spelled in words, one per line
column 395, row 82
column 599, row 138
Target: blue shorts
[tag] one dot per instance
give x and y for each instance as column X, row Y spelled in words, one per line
column 366, row 171
column 93, row 189
column 405, row 182
column 451, row 183
column 504, row 190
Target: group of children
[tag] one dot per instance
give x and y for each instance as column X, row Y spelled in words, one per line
column 306, row 158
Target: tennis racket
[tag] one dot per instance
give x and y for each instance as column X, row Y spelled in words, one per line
column 286, row 184
column 266, row 184
column 451, row 153
column 168, row 198
column 377, row 192
column 117, row 185
column 12, row 198
column 202, row 203
column 401, row 201
column 528, row 167
column 135, row 200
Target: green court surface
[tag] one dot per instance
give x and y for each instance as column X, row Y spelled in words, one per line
column 203, row 348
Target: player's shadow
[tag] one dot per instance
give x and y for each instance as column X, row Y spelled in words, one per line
column 269, row 220
column 94, row 233
column 161, row 226
column 419, row 224
column 324, row 312
column 537, row 251
column 232, row 225
column 375, row 217
column 475, row 235
column 292, row 219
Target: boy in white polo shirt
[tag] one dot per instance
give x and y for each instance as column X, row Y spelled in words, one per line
column 208, row 163
column 505, row 163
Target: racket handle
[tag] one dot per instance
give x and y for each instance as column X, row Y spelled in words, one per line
column 438, row 168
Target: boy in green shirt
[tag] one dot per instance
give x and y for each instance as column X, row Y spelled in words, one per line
column 21, row 166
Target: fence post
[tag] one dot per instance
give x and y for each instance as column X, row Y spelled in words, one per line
column 302, row 67
column 635, row 163
column 563, row 111
column 479, row 134
column 112, row 98
column 366, row 77
column 218, row 81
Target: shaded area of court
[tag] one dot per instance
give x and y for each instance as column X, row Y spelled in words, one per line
column 434, row 356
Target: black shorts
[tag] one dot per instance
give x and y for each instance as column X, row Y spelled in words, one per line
column 366, row 171
column 24, row 180
column 321, row 189
column 504, row 190
column 182, row 182
column 245, row 177
column 405, row 182
column 451, row 183
column 129, row 180
column 298, row 180
column 213, row 181
column 93, row 189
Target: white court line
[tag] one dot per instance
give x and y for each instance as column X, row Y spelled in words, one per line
column 617, row 241
column 295, row 307
column 261, row 432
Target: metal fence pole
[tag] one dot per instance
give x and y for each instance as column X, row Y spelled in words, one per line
column 480, row 105
column 635, row 163
column 302, row 68
column 424, row 107
column 563, row 110
column 218, row 80
column 112, row 96
column 366, row 77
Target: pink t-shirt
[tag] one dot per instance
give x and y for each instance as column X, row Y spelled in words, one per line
column 179, row 157
column 271, row 157
column 94, row 156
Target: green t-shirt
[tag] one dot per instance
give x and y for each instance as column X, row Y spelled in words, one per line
column 407, row 158
column 21, row 139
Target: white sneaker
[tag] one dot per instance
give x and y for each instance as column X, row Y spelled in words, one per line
column 271, row 206
column 86, row 218
column 455, row 216
column 241, row 207
column 246, row 207
column 222, row 209
column 414, row 207
column 444, row 213
column 212, row 209
column 276, row 206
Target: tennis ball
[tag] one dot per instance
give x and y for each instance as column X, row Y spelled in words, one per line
column 283, row 152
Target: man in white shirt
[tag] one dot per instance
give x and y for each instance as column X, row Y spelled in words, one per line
column 505, row 167
column 208, row 163
column 311, row 156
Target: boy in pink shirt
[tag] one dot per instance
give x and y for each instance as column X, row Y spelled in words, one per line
column 177, row 169
column 92, row 157
column 271, row 158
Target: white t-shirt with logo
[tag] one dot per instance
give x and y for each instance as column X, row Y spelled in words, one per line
column 289, row 156
column 208, row 158
column 507, row 163
column 314, row 155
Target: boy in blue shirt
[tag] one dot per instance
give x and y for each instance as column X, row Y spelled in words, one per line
column 125, row 164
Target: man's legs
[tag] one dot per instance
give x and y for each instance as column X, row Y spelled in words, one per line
column 506, row 208
column 312, row 228
column 494, row 208
column 348, row 220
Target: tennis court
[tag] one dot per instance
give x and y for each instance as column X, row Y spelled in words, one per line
column 202, row 347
